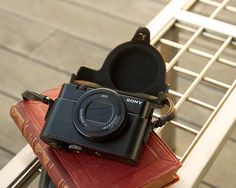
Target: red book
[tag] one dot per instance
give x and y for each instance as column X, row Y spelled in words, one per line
column 157, row 166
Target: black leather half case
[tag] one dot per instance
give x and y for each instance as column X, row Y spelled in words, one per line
column 134, row 66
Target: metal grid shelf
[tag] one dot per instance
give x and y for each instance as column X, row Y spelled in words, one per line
column 177, row 29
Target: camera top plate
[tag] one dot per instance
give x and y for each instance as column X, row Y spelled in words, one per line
column 134, row 66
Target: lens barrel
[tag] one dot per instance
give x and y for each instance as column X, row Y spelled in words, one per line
column 99, row 114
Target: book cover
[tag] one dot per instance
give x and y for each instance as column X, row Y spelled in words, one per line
column 157, row 166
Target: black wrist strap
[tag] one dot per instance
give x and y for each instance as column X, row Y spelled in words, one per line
column 169, row 115
column 30, row 95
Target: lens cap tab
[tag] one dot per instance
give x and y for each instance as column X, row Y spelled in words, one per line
column 134, row 66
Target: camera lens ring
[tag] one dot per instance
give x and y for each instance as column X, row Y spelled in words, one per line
column 99, row 114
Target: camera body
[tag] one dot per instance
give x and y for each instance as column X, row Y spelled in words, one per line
column 104, row 122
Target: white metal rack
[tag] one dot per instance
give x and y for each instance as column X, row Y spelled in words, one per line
column 219, row 121
column 213, row 133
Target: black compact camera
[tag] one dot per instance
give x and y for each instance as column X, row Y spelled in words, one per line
column 108, row 112
column 101, row 121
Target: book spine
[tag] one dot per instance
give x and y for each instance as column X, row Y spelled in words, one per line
column 44, row 153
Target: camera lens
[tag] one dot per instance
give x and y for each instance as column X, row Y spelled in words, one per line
column 99, row 114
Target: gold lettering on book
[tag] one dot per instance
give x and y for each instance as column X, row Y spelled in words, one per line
column 61, row 184
column 17, row 117
column 30, row 138
column 40, row 152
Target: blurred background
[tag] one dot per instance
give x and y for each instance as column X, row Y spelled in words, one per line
column 43, row 41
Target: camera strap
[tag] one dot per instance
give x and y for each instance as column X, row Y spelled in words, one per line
column 164, row 118
column 30, row 95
